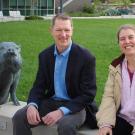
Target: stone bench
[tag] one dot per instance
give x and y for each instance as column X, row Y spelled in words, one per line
column 6, row 128
column 16, row 16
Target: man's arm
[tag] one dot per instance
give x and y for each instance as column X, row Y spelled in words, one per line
column 87, row 86
column 33, row 115
column 52, row 117
column 38, row 90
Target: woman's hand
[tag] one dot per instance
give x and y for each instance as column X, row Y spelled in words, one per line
column 105, row 131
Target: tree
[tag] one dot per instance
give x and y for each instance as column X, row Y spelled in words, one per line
column 61, row 6
column 33, row 6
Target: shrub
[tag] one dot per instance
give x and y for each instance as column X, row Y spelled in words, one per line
column 125, row 11
column 117, row 11
column 33, row 18
column 112, row 12
column 133, row 1
column 82, row 14
column 88, row 9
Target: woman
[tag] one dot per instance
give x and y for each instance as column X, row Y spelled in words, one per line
column 116, row 115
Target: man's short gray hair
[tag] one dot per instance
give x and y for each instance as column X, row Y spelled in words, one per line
column 61, row 16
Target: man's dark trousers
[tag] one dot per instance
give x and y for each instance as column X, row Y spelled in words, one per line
column 65, row 126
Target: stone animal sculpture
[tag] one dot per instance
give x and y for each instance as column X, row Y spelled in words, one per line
column 10, row 67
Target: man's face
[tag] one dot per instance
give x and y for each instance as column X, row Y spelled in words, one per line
column 62, row 33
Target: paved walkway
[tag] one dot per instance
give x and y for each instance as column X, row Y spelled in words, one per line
column 107, row 17
column 8, row 18
column 101, row 17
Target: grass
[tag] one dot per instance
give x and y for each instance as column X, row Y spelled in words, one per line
column 98, row 36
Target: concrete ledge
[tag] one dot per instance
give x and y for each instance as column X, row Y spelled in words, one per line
column 6, row 113
column 53, row 131
column 6, row 128
column 128, row 16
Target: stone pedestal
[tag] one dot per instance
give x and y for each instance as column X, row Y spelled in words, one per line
column 6, row 128
column 6, row 113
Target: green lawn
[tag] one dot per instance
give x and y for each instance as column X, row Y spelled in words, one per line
column 99, row 36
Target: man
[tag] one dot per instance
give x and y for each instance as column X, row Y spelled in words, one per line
column 64, row 85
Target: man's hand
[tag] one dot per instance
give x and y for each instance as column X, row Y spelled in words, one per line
column 105, row 131
column 52, row 117
column 33, row 115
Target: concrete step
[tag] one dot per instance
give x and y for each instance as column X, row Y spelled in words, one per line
column 6, row 128
column 53, row 131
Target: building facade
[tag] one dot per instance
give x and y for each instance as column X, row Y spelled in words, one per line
column 28, row 7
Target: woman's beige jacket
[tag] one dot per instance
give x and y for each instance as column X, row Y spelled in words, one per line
column 112, row 95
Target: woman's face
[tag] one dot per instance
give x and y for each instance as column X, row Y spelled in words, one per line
column 127, row 41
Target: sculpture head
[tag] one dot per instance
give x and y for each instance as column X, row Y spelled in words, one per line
column 10, row 58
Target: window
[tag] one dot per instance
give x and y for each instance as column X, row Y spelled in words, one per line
column 50, row 4
column 13, row 4
column 0, row 5
column 21, row 3
column 28, row 7
column 6, row 4
column 21, row 6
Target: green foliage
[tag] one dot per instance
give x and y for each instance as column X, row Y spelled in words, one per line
column 94, row 9
column 83, row 14
column 132, row 1
column 126, row 3
column 117, row 12
column 88, row 9
column 97, row 35
column 115, row 1
column 112, row 12
column 97, row 6
column 33, row 18
column 103, row 1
